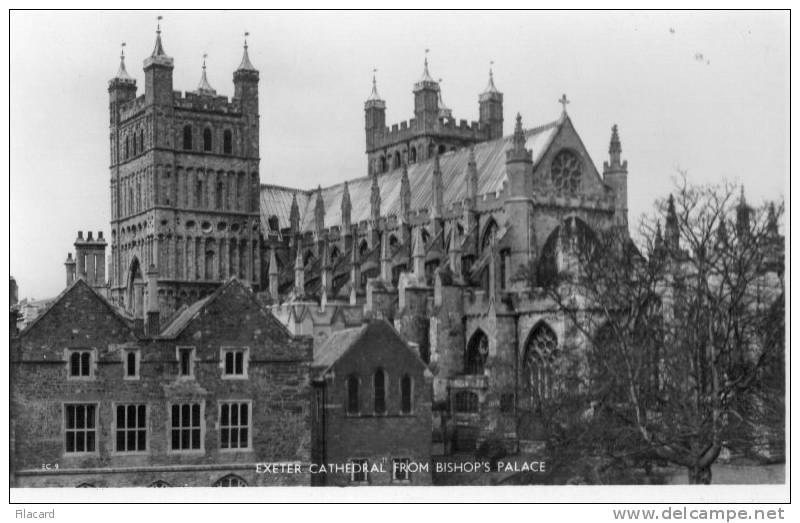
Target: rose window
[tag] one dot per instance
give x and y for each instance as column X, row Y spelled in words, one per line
column 565, row 172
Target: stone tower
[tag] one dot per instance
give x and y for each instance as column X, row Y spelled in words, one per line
column 432, row 131
column 184, row 185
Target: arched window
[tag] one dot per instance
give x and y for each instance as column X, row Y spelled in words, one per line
column 141, row 141
column 477, row 351
column 363, row 249
column 382, row 163
column 207, row 139
column 130, row 363
column 127, row 146
column 274, row 225
column 397, row 161
column 219, row 195
column 393, row 241
column 466, row 401
column 352, row 395
column 227, row 142
column 230, row 480
column 489, row 232
column 159, row 484
column 335, row 254
column 412, row 156
column 187, row 137
column 540, row 354
column 379, row 391
column 405, row 394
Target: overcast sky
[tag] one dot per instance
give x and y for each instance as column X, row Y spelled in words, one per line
column 724, row 114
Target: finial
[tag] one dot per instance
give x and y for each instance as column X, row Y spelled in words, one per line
column 122, row 73
column 204, row 87
column 426, row 59
column 205, row 55
column 374, row 96
column 245, row 64
column 563, row 101
column 158, row 50
column 426, row 75
column 158, row 24
column 246, row 34
column 122, row 51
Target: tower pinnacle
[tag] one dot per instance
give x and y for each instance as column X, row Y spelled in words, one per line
column 245, row 65
column 122, row 73
column 204, row 87
column 490, row 87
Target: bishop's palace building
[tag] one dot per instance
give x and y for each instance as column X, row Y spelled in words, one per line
column 396, row 313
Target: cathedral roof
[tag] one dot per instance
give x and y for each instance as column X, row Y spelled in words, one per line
column 490, row 158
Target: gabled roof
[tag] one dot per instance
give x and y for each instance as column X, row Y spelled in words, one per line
column 187, row 315
column 79, row 283
column 489, row 156
column 341, row 342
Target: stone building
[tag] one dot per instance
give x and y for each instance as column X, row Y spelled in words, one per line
column 372, row 409
column 184, row 184
column 100, row 399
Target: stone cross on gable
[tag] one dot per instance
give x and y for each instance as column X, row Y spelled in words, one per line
column 563, row 101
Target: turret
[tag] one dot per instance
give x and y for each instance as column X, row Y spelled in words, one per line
column 615, row 175
column 743, row 217
column 294, row 216
column 490, row 105
column 245, row 91
column 158, row 74
column 273, row 275
column 426, row 98
column 299, row 273
column 153, row 323
column 374, row 114
column 437, row 197
column 519, row 206
column 121, row 88
column 671, row 231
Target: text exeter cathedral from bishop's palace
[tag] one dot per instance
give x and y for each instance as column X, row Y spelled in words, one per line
column 448, row 234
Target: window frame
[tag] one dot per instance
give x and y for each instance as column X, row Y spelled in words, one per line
column 395, row 479
column 227, row 142
column 68, row 352
column 190, row 136
column 365, row 481
column 231, row 349
column 208, row 140
column 410, row 411
column 385, row 385
column 192, row 359
column 137, row 354
column 64, row 429
column 249, row 403
column 114, row 429
column 357, row 381
column 170, row 428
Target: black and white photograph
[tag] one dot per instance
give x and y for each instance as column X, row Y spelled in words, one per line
column 427, row 251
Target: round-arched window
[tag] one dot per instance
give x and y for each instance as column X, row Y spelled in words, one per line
column 565, row 172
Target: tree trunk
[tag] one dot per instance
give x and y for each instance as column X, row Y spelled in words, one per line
column 699, row 475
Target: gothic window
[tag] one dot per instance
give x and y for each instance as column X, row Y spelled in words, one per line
column 396, row 162
column 466, row 401
column 383, row 164
column 131, row 364
column 540, row 353
column 219, row 195
column 227, row 142
column 141, row 141
column 405, row 394
column 334, row 256
column 412, row 157
column 363, row 248
column 477, row 351
column 379, row 391
column 274, row 225
column 565, row 172
column 431, row 150
column 127, row 146
column 207, row 140
column 488, row 234
column 352, row 395
column 231, row 481
column 187, row 138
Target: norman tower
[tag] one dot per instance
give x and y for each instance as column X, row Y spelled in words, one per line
column 184, row 185
column 433, row 130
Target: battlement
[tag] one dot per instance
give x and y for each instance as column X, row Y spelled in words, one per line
column 444, row 127
column 198, row 102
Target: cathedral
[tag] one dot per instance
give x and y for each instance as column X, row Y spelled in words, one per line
column 449, row 236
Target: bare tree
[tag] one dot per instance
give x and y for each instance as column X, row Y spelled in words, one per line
column 681, row 327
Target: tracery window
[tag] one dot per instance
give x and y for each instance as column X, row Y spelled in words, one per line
column 231, row 481
column 477, row 351
column 565, row 172
column 540, row 354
